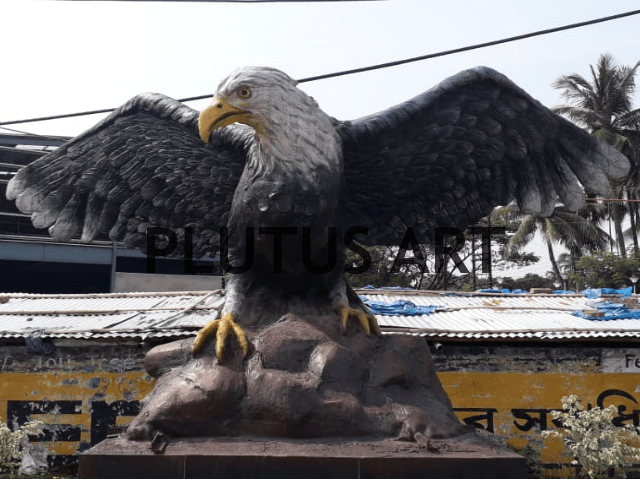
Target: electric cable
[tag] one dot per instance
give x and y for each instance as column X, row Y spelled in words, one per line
column 47, row 137
column 372, row 67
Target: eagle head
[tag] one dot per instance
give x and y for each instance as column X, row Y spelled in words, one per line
column 256, row 96
column 290, row 126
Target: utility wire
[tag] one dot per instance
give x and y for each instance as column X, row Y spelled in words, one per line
column 613, row 200
column 472, row 47
column 22, row 132
column 373, row 67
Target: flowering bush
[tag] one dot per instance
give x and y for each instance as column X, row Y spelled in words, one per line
column 592, row 438
column 12, row 442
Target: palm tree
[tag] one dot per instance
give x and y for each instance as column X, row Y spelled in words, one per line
column 577, row 233
column 604, row 107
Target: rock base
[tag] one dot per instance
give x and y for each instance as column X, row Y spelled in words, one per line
column 318, row 458
column 302, row 379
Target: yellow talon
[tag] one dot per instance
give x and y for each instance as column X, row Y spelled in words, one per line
column 221, row 327
column 204, row 334
column 242, row 338
column 368, row 322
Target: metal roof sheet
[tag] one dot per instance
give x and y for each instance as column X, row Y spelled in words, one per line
column 140, row 315
column 177, row 314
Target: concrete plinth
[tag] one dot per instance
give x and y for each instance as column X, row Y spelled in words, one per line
column 269, row 458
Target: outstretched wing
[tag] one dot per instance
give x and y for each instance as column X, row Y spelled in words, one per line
column 449, row 156
column 144, row 165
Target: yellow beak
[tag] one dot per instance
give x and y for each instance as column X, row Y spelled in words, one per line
column 219, row 114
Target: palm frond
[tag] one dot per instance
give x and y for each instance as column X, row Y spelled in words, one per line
column 525, row 233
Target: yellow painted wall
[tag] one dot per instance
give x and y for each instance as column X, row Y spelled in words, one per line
column 519, row 403
column 516, row 403
column 70, row 402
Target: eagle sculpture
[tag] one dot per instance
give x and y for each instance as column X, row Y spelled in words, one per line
column 277, row 182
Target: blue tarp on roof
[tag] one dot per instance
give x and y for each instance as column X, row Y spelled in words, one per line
column 622, row 312
column 612, row 311
column 371, row 287
column 501, row 290
column 598, row 292
column 400, row 307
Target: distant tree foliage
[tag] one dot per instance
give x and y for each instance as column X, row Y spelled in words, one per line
column 577, row 232
column 605, row 270
column 379, row 273
column 529, row 281
column 603, row 105
column 433, row 276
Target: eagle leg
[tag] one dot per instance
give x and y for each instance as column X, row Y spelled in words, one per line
column 367, row 321
column 221, row 328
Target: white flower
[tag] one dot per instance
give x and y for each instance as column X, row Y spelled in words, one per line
column 592, row 438
column 11, row 443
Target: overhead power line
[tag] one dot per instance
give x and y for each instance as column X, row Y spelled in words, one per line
column 613, row 200
column 372, row 67
column 46, row 137
column 472, row 47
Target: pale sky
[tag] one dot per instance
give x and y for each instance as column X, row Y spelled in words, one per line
column 64, row 57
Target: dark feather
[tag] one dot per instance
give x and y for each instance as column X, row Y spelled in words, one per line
column 476, row 141
column 92, row 217
column 145, row 156
column 71, row 218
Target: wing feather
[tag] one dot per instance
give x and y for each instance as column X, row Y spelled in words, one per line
column 93, row 214
column 144, row 165
column 69, row 221
column 449, row 156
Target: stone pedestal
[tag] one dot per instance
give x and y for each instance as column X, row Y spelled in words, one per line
column 307, row 402
column 268, row 458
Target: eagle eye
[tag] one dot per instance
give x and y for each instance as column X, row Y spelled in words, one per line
column 243, row 92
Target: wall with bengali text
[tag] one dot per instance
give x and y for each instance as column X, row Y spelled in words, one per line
column 511, row 389
column 83, row 392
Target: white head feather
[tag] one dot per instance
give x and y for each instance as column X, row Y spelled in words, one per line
column 291, row 129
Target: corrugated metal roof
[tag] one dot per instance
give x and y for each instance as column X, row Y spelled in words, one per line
column 503, row 316
column 178, row 314
column 130, row 315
